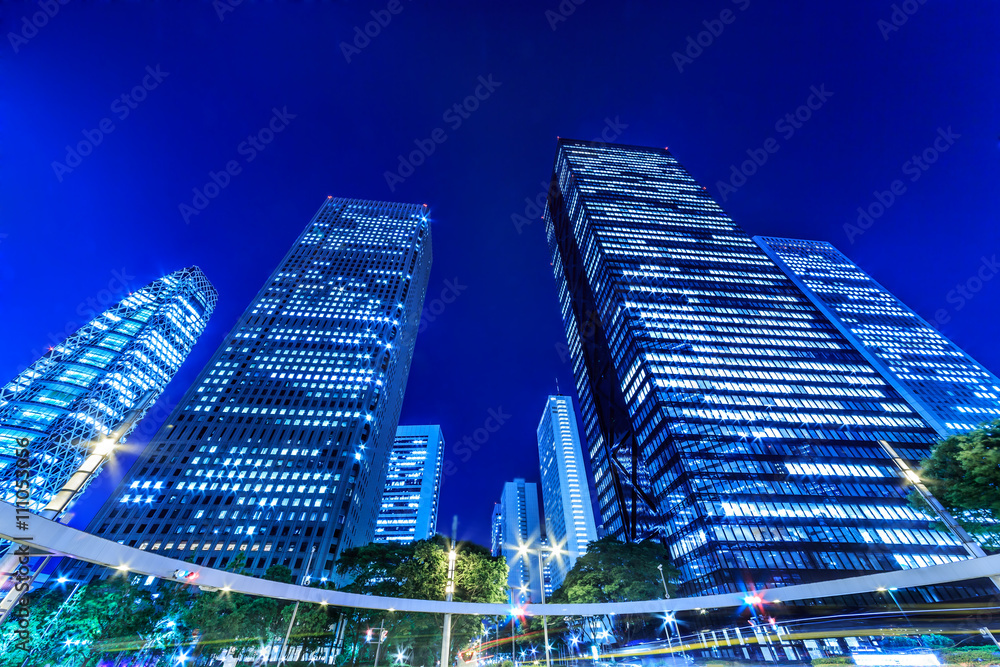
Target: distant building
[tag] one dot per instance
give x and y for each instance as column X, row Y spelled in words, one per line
column 949, row 389
column 496, row 531
column 279, row 448
column 569, row 515
column 86, row 386
column 547, row 569
column 516, row 525
column 412, row 486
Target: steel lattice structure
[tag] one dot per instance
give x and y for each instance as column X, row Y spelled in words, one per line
column 84, row 387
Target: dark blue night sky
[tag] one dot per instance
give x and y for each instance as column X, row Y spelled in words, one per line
column 881, row 93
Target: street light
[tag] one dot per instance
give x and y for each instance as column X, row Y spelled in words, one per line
column 449, row 592
column 515, row 612
column 666, row 593
column 523, row 551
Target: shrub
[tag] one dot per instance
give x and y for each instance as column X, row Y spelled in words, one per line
column 937, row 641
column 979, row 656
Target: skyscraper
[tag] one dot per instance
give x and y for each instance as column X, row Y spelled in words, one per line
column 516, row 526
column 279, row 447
column 86, row 386
column 569, row 515
column 946, row 386
column 723, row 412
column 412, row 486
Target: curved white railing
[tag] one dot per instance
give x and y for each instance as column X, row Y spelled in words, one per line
column 45, row 535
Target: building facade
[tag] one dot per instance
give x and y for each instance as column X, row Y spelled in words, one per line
column 412, row 486
column 86, row 386
column 279, row 448
column 496, row 531
column 950, row 390
column 569, row 514
column 724, row 414
column 517, row 536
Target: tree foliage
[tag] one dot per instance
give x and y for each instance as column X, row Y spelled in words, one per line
column 418, row 570
column 963, row 473
column 613, row 571
column 102, row 619
column 110, row 619
column 244, row 624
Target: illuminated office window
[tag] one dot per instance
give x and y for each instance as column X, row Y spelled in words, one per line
column 86, row 386
column 412, row 486
column 278, row 449
column 723, row 412
column 946, row 386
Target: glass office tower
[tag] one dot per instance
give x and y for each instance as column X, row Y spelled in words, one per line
column 496, row 531
column 569, row 514
column 515, row 525
column 86, row 386
column 723, row 412
column 412, row 486
column 946, row 386
column 279, row 448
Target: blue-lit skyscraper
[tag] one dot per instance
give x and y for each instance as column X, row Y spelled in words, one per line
column 569, row 515
column 516, row 526
column 279, row 448
column 496, row 531
column 723, row 412
column 946, row 386
column 412, row 486
column 86, row 386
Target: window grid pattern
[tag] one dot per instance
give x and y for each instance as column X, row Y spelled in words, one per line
column 278, row 449
column 569, row 514
column 86, row 386
column 409, row 508
column 516, row 524
column 706, row 377
column 946, row 386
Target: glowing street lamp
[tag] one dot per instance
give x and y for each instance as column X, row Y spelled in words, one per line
column 522, row 552
column 449, row 592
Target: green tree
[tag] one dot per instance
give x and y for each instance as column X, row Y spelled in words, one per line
column 963, row 473
column 613, row 571
column 900, row 642
column 937, row 641
column 312, row 626
column 105, row 620
column 41, row 636
column 234, row 622
column 418, row 570
column 111, row 617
